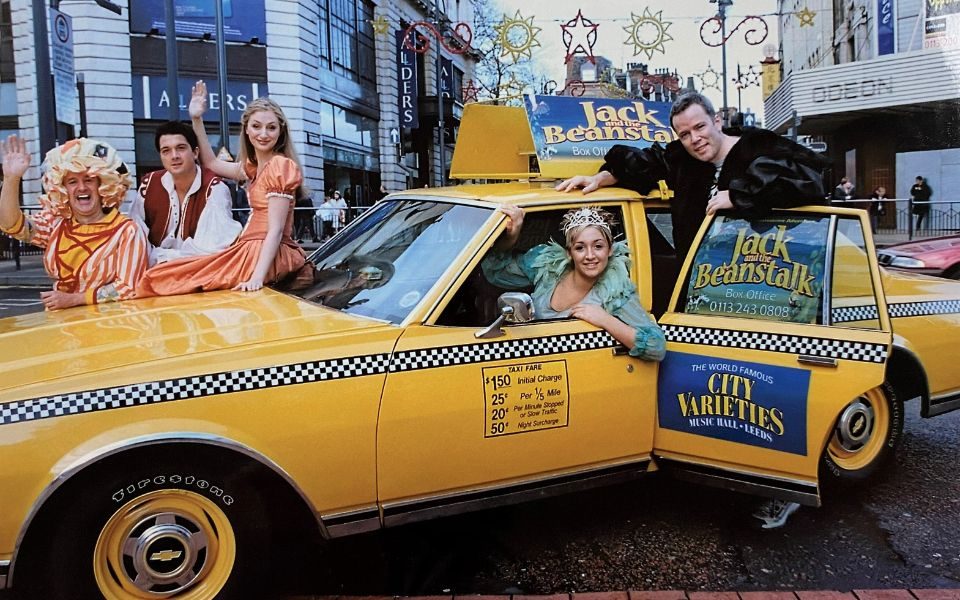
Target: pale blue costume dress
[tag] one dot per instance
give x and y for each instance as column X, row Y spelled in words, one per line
column 544, row 265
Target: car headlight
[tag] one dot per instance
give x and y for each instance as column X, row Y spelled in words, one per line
column 906, row 261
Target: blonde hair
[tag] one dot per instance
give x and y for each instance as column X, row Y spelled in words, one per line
column 284, row 143
column 88, row 157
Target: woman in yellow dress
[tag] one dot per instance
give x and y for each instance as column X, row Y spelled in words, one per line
column 93, row 253
column 265, row 252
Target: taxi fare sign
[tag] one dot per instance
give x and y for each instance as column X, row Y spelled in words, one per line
column 567, row 128
column 737, row 401
column 521, row 398
column 770, row 268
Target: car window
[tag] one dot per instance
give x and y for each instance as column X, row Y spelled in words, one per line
column 386, row 262
column 852, row 293
column 475, row 303
column 664, row 262
column 769, row 269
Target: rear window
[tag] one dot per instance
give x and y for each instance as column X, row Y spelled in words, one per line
column 769, row 269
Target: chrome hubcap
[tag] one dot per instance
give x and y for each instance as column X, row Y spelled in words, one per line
column 855, row 425
column 164, row 553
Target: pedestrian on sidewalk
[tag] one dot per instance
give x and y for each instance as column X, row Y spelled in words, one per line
column 878, row 207
column 93, row 253
column 920, row 195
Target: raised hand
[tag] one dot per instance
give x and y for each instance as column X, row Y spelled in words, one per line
column 198, row 100
column 16, row 159
column 515, row 219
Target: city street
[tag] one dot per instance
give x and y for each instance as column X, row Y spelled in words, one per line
column 16, row 300
column 663, row 534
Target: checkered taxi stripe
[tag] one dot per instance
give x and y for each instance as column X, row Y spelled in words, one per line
column 186, row 388
column 503, row 350
column 921, row 309
column 269, row 377
column 792, row 344
column 846, row 314
column 901, row 309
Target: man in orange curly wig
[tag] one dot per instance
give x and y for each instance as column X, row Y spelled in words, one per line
column 93, row 253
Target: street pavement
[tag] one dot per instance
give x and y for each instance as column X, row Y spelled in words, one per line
column 919, row 594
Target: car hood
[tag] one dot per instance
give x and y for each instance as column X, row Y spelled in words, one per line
column 949, row 245
column 41, row 348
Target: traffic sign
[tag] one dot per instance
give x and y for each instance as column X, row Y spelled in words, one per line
column 61, row 59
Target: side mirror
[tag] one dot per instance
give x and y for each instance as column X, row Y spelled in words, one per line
column 515, row 307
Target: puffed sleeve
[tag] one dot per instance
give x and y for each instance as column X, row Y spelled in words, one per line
column 649, row 342
column 638, row 169
column 511, row 271
column 35, row 229
column 281, row 178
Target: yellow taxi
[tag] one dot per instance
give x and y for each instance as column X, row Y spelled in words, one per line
column 169, row 447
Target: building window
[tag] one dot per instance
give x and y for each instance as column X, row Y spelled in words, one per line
column 345, row 39
column 348, row 126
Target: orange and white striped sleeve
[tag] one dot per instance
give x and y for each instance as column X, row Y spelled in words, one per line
column 123, row 264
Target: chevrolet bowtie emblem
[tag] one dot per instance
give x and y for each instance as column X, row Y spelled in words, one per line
column 166, row 555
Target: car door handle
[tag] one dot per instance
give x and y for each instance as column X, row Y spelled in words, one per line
column 621, row 350
column 817, row 361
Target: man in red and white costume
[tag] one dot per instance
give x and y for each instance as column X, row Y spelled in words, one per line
column 184, row 210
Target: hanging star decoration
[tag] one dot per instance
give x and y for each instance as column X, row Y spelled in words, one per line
column 709, row 78
column 745, row 79
column 380, row 25
column 806, row 17
column 579, row 36
column 648, row 32
column 517, row 36
column 512, row 88
column 469, row 92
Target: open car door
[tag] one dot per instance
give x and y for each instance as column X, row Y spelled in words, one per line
column 777, row 339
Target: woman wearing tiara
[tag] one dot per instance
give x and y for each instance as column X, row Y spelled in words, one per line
column 589, row 279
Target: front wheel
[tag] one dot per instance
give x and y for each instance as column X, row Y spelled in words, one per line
column 172, row 531
column 864, row 437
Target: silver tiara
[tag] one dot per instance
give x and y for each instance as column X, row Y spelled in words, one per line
column 586, row 216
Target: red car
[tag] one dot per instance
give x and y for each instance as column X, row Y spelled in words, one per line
column 933, row 256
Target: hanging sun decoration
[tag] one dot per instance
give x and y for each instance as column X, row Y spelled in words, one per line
column 380, row 25
column 709, row 78
column 806, row 17
column 754, row 34
column 517, row 36
column 648, row 32
column 579, row 36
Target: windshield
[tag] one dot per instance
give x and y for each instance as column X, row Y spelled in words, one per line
column 385, row 263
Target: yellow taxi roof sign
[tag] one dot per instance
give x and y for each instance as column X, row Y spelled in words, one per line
column 494, row 143
column 553, row 137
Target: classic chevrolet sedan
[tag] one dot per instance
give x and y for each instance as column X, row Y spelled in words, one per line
column 170, row 447
column 156, row 448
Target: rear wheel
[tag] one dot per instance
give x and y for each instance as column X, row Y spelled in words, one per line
column 164, row 531
column 864, row 437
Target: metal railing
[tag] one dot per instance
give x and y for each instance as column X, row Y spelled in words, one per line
column 899, row 219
